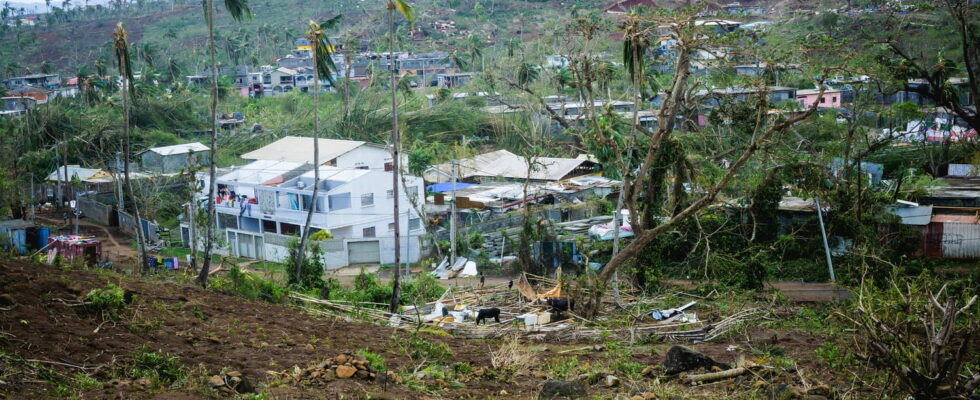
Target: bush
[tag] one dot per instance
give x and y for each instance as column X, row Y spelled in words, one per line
column 111, row 299
column 311, row 275
column 375, row 361
column 250, row 286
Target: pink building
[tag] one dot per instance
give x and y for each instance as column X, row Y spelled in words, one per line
column 832, row 98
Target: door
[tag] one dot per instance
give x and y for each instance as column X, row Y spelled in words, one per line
column 368, row 252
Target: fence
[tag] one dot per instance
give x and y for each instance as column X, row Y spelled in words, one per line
column 553, row 214
column 127, row 223
column 101, row 213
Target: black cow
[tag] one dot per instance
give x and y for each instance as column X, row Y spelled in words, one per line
column 559, row 305
column 488, row 313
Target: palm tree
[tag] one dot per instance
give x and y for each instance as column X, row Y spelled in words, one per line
column 322, row 66
column 409, row 13
column 126, row 72
column 238, row 10
column 148, row 52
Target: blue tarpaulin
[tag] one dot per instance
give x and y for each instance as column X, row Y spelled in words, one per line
column 446, row 187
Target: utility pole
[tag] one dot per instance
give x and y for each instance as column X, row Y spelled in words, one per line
column 119, row 182
column 452, row 218
column 823, row 233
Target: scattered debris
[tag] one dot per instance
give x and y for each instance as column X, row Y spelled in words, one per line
column 663, row 315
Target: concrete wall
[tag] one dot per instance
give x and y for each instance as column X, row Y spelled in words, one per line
column 127, row 223
column 101, row 213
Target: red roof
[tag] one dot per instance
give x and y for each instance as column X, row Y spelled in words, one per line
column 72, row 81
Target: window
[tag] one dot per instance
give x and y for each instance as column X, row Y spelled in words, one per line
column 367, row 199
column 833, row 99
column 391, row 227
column 823, row 100
column 413, row 193
column 368, row 232
column 289, row 229
column 268, row 226
column 389, row 194
column 414, row 224
column 339, row 201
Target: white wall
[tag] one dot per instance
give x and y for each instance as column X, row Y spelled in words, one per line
column 365, row 156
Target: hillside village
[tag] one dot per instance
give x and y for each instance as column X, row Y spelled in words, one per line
column 633, row 199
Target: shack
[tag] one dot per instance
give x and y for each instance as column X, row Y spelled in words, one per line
column 16, row 234
column 73, row 247
column 170, row 159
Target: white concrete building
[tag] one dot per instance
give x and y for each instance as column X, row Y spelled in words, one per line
column 272, row 199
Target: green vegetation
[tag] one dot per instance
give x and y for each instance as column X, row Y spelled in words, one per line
column 110, row 300
column 161, row 368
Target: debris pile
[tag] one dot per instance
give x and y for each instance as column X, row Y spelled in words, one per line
column 344, row 366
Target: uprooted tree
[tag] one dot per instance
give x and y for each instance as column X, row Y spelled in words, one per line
column 652, row 164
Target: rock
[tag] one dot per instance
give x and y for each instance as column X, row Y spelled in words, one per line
column 144, row 382
column 6, row 300
column 588, row 379
column 234, row 373
column 216, row 381
column 479, row 372
column 503, row 392
column 360, row 366
column 555, row 388
column 611, row 381
column 814, row 397
column 242, row 385
column 647, row 371
column 539, row 375
column 361, row 374
column 637, row 397
column 339, row 360
column 648, row 396
column 681, row 359
column 344, row 371
column 328, row 375
column 308, row 345
column 442, row 383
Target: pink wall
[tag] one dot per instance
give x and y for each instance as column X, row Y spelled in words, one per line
column 830, row 99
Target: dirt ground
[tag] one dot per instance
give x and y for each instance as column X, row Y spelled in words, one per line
column 212, row 332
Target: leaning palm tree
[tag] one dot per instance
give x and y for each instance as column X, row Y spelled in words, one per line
column 322, row 66
column 408, row 12
column 126, row 72
column 239, row 10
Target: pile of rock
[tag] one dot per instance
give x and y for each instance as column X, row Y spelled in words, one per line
column 343, row 366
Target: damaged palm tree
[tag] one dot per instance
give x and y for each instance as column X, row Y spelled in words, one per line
column 408, row 12
column 239, row 10
column 322, row 66
column 121, row 47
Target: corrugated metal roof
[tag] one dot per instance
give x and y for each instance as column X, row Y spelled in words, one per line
column 911, row 215
column 504, row 164
column 179, row 149
column 92, row 175
column 300, row 150
column 15, row 224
